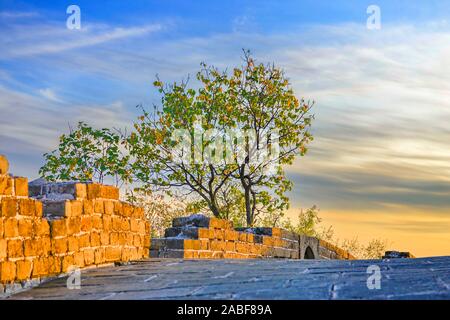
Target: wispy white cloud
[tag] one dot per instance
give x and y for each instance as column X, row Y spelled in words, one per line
column 50, row 95
column 50, row 39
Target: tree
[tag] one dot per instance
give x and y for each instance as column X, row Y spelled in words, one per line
column 87, row 154
column 229, row 137
column 278, row 124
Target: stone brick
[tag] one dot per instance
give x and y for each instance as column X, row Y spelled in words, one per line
column 11, row 228
column 190, row 244
column 6, row 186
column 80, row 191
column 107, row 222
column 84, row 241
column 25, row 228
column 89, row 256
column 116, row 223
column 78, row 259
column 109, row 192
column 88, row 207
column 58, row 228
column 7, row 271
column 9, row 207
column 95, row 239
column 109, row 207
column 125, row 225
column 99, row 255
column 46, row 245
column 23, row 270
column 67, row 263
column 74, row 208
column 118, row 208
column 72, row 244
column 104, row 238
column 21, row 187
column 230, row 246
column 59, row 246
column 27, row 207
column 97, row 222
column 32, row 247
column 86, row 223
column 3, row 249
column 4, row 165
column 1, row 226
column 113, row 254
column 54, row 265
column 41, row 228
column 73, row 225
column 217, row 245
column 93, row 191
column 127, row 210
column 40, row 267
column 99, row 206
column 231, row 235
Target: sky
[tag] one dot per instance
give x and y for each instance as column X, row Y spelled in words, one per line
column 379, row 165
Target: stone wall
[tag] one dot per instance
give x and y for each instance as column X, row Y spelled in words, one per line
column 64, row 225
column 200, row 237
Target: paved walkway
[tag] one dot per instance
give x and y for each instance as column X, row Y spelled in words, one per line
column 426, row 278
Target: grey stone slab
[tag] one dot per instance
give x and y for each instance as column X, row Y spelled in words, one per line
column 426, row 278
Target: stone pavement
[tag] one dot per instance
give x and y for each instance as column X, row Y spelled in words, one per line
column 424, row 278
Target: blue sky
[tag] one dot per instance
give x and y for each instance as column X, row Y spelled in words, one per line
column 383, row 96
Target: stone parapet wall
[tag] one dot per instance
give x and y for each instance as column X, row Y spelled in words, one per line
column 65, row 225
column 329, row 251
column 200, row 237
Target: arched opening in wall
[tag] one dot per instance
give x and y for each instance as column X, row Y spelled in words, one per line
column 309, row 254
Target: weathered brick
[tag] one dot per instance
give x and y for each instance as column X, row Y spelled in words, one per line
column 116, row 223
column 25, row 228
column 27, row 207
column 97, row 222
column 89, row 256
column 9, row 207
column 74, row 208
column 67, row 263
column 113, row 254
column 80, row 191
column 95, row 239
column 7, row 271
column 54, row 265
column 41, row 228
column 104, row 238
column 58, row 228
column 23, row 270
column 88, row 207
column 21, row 187
column 118, row 208
column 93, row 191
column 40, row 267
column 84, row 241
column 59, row 246
column 73, row 225
column 190, row 244
column 72, row 244
column 78, row 259
column 86, row 223
column 4, row 165
column 1, row 226
column 110, row 192
column 3, row 249
column 6, row 186
column 99, row 206
column 109, row 207
column 11, row 228
column 99, row 255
